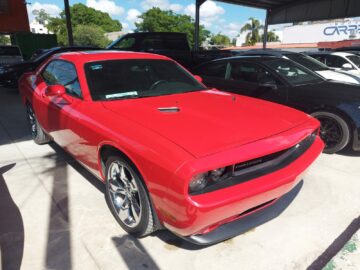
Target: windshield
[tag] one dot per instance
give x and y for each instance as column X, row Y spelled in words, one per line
column 355, row 59
column 9, row 51
column 124, row 79
column 293, row 73
column 307, row 62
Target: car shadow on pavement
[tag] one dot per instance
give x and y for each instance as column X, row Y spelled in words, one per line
column 78, row 167
column 133, row 253
column 349, row 153
column 11, row 227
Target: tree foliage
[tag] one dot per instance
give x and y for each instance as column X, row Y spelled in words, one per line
column 41, row 16
column 271, row 37
column 253, row 27
column 157, row 20
column 87, row 35
column 82, row 15
column 4, row 40
column 220, row 39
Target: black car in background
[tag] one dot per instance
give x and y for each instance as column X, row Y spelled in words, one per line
column 336, row 105
column 171, row 44
column 308, row 62
column 10, row 74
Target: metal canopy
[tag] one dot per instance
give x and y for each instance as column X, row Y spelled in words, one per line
column 291, row 11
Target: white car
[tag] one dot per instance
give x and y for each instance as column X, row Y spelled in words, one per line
column 308, row 62
column 347, row 63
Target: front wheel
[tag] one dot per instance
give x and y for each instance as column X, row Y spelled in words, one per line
column 334, row 131
column 38, row 134
column 127, row 197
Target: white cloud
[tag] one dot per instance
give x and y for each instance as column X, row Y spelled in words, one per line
column 176, row 7
column 52, row 9
column 162, row 4
column 107, row 6
column 209, row 12
column 133, row 15
column 233, row 29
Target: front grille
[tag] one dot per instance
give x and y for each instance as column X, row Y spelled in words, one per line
column 248, row 170
column 257, row 161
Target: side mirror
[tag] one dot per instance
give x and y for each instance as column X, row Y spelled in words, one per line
column 198, row 78
column 270, row 85
column 347, row 66
column 55, row 90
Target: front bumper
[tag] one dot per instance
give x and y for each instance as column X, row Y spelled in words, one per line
column 356, row 140
column 201, row 215
column 242, row 225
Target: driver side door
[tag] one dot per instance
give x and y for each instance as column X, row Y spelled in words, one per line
column 251, row 79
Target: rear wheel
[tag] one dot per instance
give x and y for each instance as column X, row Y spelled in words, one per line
column 37, row 133
column 127, row 197
column 334, row 131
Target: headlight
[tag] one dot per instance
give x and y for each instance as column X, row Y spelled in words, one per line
column 201, row 181
column 198, row 182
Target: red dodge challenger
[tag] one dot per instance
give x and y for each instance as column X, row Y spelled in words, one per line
column 205, row 164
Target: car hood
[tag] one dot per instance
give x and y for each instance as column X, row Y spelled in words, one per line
column 337, row 76
column 208, row 121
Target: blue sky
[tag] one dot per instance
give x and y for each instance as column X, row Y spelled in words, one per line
column 216, row 16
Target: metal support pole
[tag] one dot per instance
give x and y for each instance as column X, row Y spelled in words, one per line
column 68, row 23
column 197, row 24
column 266, row 29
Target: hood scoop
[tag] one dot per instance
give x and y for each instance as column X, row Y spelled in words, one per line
column 169, row 109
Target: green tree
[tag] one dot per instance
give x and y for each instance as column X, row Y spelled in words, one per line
column 253, row 27
column 220, row 39
column 41, row 16
column 157, row 20
column 271, row 37
column 87, row 35
column 4, row 40
column 85, row 16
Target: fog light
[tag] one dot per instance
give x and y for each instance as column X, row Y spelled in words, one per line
column 198, row 182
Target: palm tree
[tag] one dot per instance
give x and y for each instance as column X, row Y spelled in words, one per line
column 271, row 37
column 253, row 26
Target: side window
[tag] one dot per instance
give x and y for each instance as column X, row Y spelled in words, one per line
column 217, row 70
column 125, row 43
column 48, row 74
column 153, row 43
column 251, row 73
column 335, row 61
column 64, row 73
column 320, row 58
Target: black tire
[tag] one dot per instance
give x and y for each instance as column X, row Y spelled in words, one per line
column 37, row 133
column 334, row 131
column 145, row 225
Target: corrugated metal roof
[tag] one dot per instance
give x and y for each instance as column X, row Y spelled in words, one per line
column 290, row 11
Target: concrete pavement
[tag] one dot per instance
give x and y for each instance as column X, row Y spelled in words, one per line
column 53, row 215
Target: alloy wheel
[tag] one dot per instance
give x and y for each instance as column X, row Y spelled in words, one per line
column 124, row 194
column 330, row 132
column 32, row 121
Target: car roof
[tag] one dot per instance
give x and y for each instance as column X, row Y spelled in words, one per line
column 154, row 33
column 268, row 52
column 256, row 58
column 104, row 55
column 342, row 53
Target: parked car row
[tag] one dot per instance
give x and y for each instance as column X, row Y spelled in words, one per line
column 10, row 73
